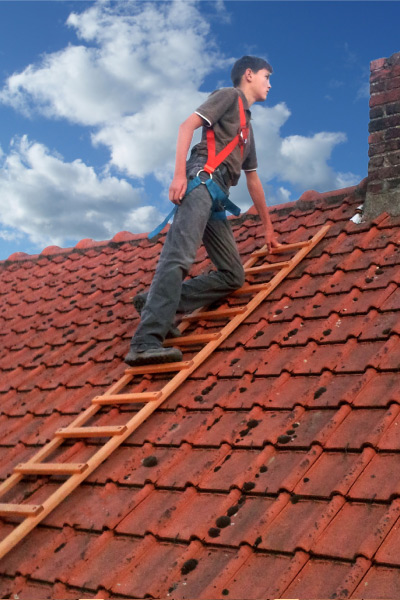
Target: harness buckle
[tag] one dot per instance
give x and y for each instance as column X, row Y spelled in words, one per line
column 203, row 171
column 243, row 135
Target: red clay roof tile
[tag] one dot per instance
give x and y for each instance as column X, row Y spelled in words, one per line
column 332, row 474
column 81, row 508
column 321, row 578
column 345, row 535
column 362, row 426
column 264, row 575
column 378, row 582
column 388, row 552
column 137, row 578
column 376, row 480
column 64, row 556
column 380, row 390
column 107, row 557
column 299, row 524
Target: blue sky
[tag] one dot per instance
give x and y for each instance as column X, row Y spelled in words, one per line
column 92, row 94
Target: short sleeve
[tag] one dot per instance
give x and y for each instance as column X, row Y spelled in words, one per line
column 216, row 105
column 250, row 162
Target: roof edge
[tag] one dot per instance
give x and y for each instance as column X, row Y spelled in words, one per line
column 307, row 201
column 311, row 198
column 85, row 244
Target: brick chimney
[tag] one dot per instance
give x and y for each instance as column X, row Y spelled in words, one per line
column 383, row 190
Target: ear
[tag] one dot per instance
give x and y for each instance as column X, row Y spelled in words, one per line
column 248, row 74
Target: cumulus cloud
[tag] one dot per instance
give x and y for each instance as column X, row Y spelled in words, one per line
column 145, row 142
column 304, row 159
column 133, row 76
column 51, row 200
column 301, row 161
column 122, row 82
column 129, row 60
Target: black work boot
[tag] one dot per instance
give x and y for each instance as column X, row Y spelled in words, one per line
column 140, row 300
column 152, row 356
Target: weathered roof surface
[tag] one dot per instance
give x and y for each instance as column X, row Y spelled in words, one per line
column 277, row 461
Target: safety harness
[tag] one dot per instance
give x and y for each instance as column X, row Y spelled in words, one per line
column 219, row 198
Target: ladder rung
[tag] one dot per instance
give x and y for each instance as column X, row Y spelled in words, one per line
column 20, row 510
column 215, row 315
column 266, row 268
column 288, row 247
column 159, row 368
column 251, row 289
column 127, row 398
column 191, row 340
column 260, row 253
column 50, row 468
column 77, row 432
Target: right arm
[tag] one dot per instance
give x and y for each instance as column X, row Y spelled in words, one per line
column 185, row 135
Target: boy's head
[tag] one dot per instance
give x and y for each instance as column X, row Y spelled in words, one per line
column 248, row 62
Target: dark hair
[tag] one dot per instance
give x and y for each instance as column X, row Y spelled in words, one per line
column 248, row 62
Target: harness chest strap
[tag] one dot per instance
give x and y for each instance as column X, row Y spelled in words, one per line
column 213, row 159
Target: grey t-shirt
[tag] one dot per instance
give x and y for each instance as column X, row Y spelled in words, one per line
column 221, row 112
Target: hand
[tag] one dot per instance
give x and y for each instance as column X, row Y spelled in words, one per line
column 177, row 189
column 271, row 240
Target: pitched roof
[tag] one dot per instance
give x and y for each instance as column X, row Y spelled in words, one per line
column 274, row 462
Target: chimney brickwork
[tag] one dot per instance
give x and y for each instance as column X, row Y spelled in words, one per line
column 383, row 190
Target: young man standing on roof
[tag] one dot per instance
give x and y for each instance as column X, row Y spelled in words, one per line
column 199, row 190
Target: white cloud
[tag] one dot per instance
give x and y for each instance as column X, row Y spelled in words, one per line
column 131, row 61
column 344, row 180
column 298, row 160
column 134, row 75
column 143, row 219
column 267, row 124
column 283, row 194
column 123, row 81
column 145, row 142
column 304, row 160
column 52, row 201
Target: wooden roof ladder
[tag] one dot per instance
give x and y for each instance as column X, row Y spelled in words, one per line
column 75, row 473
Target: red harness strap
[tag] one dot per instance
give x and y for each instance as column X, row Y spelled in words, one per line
column 213, row 160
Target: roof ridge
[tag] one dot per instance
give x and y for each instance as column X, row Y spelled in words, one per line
column 84, row 244
column 302, row 203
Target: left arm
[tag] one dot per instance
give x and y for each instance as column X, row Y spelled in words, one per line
column 256, row 192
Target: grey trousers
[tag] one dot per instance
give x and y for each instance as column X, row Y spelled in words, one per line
column 168, row 292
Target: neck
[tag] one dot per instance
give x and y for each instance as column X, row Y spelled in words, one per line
column 247, row 92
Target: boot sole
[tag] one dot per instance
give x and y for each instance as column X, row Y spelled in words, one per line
column 144, row 358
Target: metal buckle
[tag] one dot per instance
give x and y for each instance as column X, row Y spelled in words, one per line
column 203, row 171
